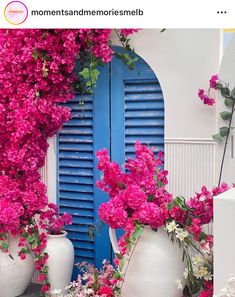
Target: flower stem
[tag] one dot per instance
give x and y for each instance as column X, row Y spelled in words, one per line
column 226, row 145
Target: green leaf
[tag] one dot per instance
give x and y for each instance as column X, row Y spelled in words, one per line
column 85, row 73
column 45, row 269
column 186, row 291
column 180, row 201
column 228, row 102
column 35, row 244
column 225, row 92
column 94, row 74
column 150, row 198
column 170, row 205
column 202, row 236
column 224, row 131
column 117, row 55
column 88, row 83
column 163, row 30
column 4, row 246
column 225, row 115
column 139, row 229
column 188, row 221
column 35, row 54
column 119, row 256
column 233, row 93
column 217, row 138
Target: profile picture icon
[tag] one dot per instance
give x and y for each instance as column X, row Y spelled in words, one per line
column 16, row 12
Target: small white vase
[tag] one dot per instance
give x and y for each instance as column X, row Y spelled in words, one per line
column 15, row 274
column 154, row 266
column 60, row 262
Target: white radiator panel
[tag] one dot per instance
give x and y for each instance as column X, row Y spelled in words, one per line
column 190, row 164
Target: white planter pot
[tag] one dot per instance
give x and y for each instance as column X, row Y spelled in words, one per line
column 60, row 262
column 155, row 265
column 15, row 275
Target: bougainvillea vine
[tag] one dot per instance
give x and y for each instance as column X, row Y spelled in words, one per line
column 37, row 74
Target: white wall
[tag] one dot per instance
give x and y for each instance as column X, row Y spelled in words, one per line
column 183, row 61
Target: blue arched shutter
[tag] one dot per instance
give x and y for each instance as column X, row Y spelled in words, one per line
column 127, row 106
column 137, row 109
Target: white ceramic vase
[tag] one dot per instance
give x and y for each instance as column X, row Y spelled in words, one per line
column 60, row 262
column 15, row 274
column 154, row 266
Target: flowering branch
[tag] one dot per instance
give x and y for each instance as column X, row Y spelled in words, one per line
column 229, row 101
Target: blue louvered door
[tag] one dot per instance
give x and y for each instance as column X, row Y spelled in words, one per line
column 127, row 106
column 137, row 109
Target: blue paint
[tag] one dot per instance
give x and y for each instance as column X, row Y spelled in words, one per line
column 127, row 105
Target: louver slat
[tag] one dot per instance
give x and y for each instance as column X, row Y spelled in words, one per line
column 144, row 114
column 75, row 176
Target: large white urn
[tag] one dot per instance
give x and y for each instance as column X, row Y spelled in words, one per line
column 15, row 274
column 60, row 262
column 154, row 266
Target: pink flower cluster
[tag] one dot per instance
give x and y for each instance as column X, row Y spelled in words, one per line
column 94, row 282
column 201, row 208
column 206, row 98
column 36, row 76
column 51, row 221
column 127, row 32
column 139, row 193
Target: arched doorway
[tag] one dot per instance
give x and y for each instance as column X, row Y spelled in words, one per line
column 127, row 106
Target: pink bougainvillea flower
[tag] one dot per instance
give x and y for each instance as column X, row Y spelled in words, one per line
column 105, row 291
column 213, row 81
column 151, row 214
column 45, row 288
column 205, row 99
column 206, row 293
column 127, row 32
column 115, row 217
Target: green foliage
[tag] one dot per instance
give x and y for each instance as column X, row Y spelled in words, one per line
column 202, row 236
column 225, row 115
column 217, row 138
column 225, row 92
column 35, row 54
column 228, row 102
column 224, row 131
column 88, row 66
column 4, row 246
column 127, row 59
column 233, row 93
column 139, row 229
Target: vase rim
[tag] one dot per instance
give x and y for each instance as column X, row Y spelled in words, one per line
column 62, row 234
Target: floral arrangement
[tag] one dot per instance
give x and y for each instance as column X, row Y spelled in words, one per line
column 216, row 85
column 138, row 197
column 38, row 72
column 94, row 282
column 51, row 221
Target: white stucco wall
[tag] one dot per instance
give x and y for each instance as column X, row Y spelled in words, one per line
column 183, row 60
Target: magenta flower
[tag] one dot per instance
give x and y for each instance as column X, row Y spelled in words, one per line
column 205, row 99
column 213, row 81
